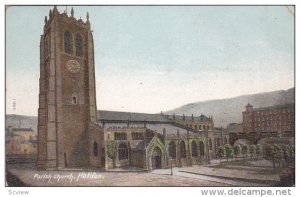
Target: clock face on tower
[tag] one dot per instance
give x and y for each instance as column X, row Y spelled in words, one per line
column 73, row 66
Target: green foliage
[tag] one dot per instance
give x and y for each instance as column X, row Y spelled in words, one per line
column 237, row 150
column 286, row 152
column 278, row 154
column 220, row 152
column 228, row 151
column 292, row 153
column 252, row 150
column 111, row 149
column 281, row 154
column 258, row 149
column 245, row 149
column 269, row 151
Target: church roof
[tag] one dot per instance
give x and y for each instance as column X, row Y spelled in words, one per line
column 201, row 118
column 169, row 128
column 130, row 116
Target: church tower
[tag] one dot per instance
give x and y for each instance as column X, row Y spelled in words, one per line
column 67, row 98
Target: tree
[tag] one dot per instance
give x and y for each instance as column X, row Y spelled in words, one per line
column 228, row 151
column 279, row 155
column 286, row 154
column 268, row 152
column 292, row 154
column 274, row 153
column 245, row 149
column 112, row 150
column 258, row 150
column 220, row 152
column 252, row 150
column 237, row 150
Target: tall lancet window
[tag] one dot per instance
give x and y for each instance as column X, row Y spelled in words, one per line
column 68, row 41
column 182, row 149
column 95, row 149
column 79, row 45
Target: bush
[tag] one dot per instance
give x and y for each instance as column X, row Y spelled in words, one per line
column 279, row 155
column 220, row 152
column 252, row 150
column 286, row 154
column 292, row 154
column 228, row 151
column 269, row 153
column 258, row 150
column 245, row 149
column 237, row 150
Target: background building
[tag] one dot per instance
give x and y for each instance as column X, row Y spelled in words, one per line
column 20, row 141
column 273, row 119
column 235, row 128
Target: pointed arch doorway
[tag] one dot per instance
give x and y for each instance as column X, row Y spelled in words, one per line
column 156, row 158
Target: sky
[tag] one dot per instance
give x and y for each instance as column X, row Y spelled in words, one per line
column 157, row 58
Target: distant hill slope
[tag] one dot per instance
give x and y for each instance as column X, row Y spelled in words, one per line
column 22, row 121
column 224, row 111
column 230, row 110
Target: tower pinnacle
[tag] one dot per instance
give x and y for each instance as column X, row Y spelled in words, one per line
column 87, row 17
column 72, row 12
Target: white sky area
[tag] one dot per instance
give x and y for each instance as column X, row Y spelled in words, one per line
column 152, row 59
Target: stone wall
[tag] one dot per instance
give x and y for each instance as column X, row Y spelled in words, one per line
column 97, row 158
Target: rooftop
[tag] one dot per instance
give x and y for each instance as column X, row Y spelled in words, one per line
column 22, row 129
column 201, row 118
column 285, row 106
column 131, row 116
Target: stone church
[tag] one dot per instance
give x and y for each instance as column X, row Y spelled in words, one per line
column 72, row 133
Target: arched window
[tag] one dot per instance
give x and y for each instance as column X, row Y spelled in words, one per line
column 182, row 150
column 218, row 142
column 123, row 151
column 79, row 45
column 95, row 149
column 194, row 149
column 74, row 100
column 201, row 145
column 215, row 143
column 200, row 127
column 172, row 150
column 210, row 144
column 68, row 42
column 204, row 127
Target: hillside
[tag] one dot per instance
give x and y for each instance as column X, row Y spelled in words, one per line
column 225, row 111
column 22, row 121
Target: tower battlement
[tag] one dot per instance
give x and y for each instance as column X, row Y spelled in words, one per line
column 65, row 18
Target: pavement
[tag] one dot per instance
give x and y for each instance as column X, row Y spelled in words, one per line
column 197, row 175
column 32, row 177
column 222, row 177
